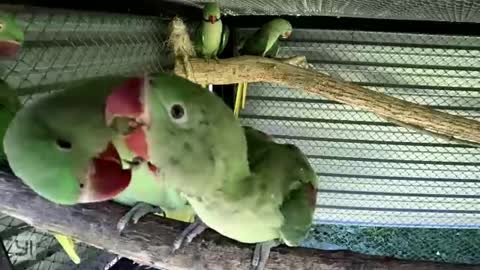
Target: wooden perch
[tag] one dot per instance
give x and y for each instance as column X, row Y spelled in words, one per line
column 288, row 73
column 149, row 241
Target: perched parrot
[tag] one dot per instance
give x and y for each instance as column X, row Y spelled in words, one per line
column 212, row 35
column 263, row 42
column 237, row 180
column 11, row 39
column 60, row 146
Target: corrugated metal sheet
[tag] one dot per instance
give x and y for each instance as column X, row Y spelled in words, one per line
column 373, row 172
column 435, row 10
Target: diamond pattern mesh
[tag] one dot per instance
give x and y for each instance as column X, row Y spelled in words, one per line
column 436, row 10
column 372, row 171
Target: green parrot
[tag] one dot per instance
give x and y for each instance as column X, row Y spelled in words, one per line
column 11, row 39
column 60, row 146
column 55, row 132
column 211, row 36
column 263, row 42
column 237, row 180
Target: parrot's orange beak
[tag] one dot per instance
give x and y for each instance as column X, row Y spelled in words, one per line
column 106, row 177
column 9, row 49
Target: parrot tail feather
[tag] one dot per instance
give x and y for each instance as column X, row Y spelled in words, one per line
column 68, row 246
column 238, row 100
column 244, row 95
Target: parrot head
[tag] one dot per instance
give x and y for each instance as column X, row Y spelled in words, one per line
column 181, row 129
column 211, row 12
column 60, row 147
column 283, row 27
column 11, row 36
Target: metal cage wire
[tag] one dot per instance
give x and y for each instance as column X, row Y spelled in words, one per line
column 431, row 10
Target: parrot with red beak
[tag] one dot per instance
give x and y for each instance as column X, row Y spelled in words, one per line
column 50, row 147
column 238, row 181
column 211, row 36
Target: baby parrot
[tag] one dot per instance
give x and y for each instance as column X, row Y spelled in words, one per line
column 263, row 42
column 212, row 35
column 267, row 197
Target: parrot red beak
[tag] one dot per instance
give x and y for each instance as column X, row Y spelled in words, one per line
column 212, row 19
column 126, row 100
column 9, row 49
column 106, row 178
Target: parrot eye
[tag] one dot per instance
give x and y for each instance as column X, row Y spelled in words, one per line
column 2, row 26
column 81, row 185
column 177, row 111
column 64, row 145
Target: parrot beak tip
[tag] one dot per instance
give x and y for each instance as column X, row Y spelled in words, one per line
column 106, row 178
column 212, row 19
column 126, row 100
column 9, row 49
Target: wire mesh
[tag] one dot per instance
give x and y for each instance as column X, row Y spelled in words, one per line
column 372, row 172
column 384, row 189
column 64, row 47
column 436, row 10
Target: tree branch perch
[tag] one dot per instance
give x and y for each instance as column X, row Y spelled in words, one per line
column 258, row 69
column 149, row 241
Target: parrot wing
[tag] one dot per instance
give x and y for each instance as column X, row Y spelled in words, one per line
column 225, row 37
column 255, row 44
column 294, row 173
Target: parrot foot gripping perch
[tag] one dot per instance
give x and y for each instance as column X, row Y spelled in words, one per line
column 261, row 254
column 136, row 213
column 192, row 231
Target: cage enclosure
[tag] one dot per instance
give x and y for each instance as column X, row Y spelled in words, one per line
column 385, row 189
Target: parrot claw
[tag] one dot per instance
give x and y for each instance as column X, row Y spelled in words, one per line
column 261, row 254
column 187, row 235
column 136, row 213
